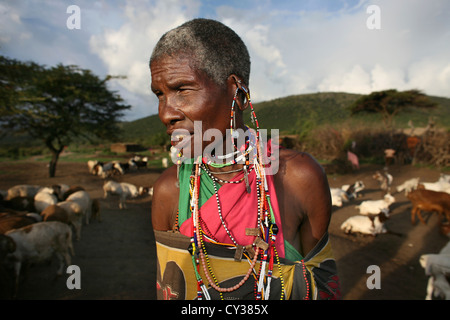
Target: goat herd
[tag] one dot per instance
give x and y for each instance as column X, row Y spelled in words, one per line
column 371, row 215
column 39, row 222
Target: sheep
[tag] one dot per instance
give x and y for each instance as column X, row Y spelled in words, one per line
column 373, row 207
column 84, row 200
column 44, row 198
column 385, row 179
column 22, row 190
column 408, row 185
column 437, row 268
column 428, row 200
column 365, row 224
column 38, row 243
column 145, row 191
column 123, row 189
column 75, row 215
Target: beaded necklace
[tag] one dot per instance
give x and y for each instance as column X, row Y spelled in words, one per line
column 265, row 232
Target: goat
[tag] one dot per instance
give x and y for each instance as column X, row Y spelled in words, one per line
column 14, row 219
column 366, row 225
column 19, row 204
column 385, row 179
column 44, row 198
column 145, row 191
column 442, row 184
column 55, row 213
column 353, row 190
column 75, row 215
column 22, row 190
column 437, row 268
column 408, row 185
column 38, row 243
column 373, row 207
column 85, row 202
column 428, row 200
column 123, row 189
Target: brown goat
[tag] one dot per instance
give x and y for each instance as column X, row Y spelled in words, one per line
column 431, row 201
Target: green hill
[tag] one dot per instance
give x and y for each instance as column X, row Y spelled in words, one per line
column 289, row 113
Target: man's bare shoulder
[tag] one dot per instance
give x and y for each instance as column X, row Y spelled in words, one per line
column 165, row 200
column 296, row 165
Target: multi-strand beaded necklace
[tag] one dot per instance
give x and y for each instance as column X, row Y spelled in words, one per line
column 265, row 232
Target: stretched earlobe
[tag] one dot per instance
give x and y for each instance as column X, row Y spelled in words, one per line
column 242, row 93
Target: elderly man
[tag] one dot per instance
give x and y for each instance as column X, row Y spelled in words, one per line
column 227, row 224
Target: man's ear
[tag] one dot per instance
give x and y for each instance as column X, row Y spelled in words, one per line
column 243, row 94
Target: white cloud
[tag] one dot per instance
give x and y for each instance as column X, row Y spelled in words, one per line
column 126, row 50
column 295, row 47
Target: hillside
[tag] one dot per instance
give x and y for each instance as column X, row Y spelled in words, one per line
column 288, row 113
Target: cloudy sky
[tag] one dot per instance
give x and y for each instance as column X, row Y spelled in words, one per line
column 297, row 46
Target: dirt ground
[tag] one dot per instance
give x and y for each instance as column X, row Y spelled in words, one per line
column 117, row 257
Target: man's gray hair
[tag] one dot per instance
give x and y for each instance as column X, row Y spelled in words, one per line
column 213, row 47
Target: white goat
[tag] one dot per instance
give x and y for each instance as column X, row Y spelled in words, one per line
column 437, row 267
column 84, row 200
column 442, row 185
column 38, row 243
column 345, row 193
column 372, row 207
column 123, row 189
column 44, row 198
column 408, row 185
column 366, row 225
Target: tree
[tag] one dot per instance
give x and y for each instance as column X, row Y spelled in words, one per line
column 57, row 104
column 389, row 103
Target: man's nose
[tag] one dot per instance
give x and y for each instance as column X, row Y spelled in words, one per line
column 169, row 113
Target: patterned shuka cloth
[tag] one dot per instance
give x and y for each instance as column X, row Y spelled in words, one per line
column 295, row 277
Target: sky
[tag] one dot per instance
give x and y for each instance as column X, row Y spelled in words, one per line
column 296, row 47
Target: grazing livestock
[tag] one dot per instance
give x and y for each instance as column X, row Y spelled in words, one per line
column 429, row 201
column 353, row 191
column 345, row 193
column 75, row 214
column 13, row 219
column 22, row 190
column 408, row 185
column 437, row 268
column 385, row 179
column 145, row 191
column 55, row 213
column 442, row 185
column 85, row 202
column 374, row 207
column 123, row 189
column 140, row 162
column 19, row 204
column 71, row 190
column 366, row 225
column 44, row 198
column 38, row 243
